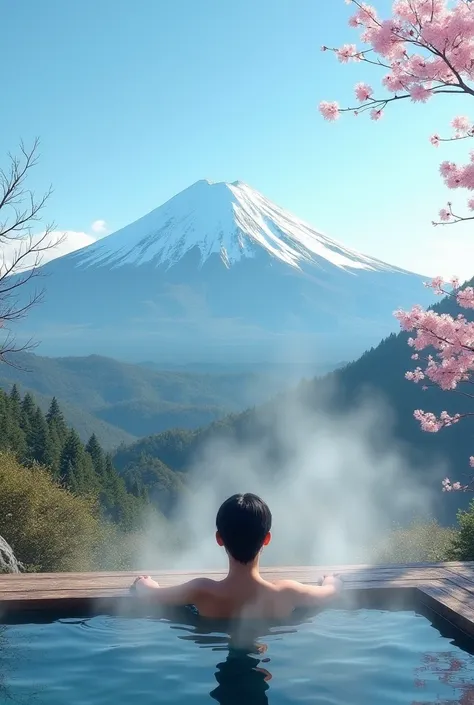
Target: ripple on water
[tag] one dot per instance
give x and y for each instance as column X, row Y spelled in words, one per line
column 363, row 657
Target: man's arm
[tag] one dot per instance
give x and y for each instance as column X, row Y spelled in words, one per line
column 177, row 595
column 312, row 595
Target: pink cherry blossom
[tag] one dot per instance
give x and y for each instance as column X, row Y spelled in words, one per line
column 454, row 281
column 446, row 485
column 461, row 123
column 453, row 342
column 329, row 111
column 437, row 284
column 394, row 82
column 465, row 298
column 427, row 49
column 346, row 53
column 376, row 114
column 419, row 93
column 447, row 168
column 363, row 92
column 415, row 375
column 444, row 215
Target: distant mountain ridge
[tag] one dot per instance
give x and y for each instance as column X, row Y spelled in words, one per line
column 218, row 274
column 120, row 401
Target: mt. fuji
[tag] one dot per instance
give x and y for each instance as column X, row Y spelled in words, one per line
column 219, row 273
column 231, row 220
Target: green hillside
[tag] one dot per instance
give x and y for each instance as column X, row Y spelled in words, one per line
column 86, row 424
column 135, row 400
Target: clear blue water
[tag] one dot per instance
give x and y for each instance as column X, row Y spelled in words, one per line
column 363, row 657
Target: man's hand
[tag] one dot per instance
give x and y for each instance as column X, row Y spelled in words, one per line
column 144, row 583
column 333, row 580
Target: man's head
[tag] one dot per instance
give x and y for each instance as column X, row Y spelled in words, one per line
column 243, row 526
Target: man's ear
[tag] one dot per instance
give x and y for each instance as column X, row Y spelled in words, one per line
column 218, row 539
column 267, row 539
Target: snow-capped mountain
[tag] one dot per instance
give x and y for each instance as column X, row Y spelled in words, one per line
column 231, row 220
column 219, row 272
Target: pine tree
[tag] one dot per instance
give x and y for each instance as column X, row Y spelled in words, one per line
column 28, row 409
column 14, row 438
column 90, row 482
column 15, row 403
column 113, row 495
column 119, row 505
column 40, row 440
column 76, row 470
column 71, row 462
column 109, row 491
column 85, row 470
column 27, row 420
column 56, row 421
column 4, row 421
column 94, row 449
column 55, row 450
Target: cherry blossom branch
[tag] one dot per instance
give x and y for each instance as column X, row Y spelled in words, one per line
column 452, row 340
column 427, row 47
column 448, row 217
column 444, row 33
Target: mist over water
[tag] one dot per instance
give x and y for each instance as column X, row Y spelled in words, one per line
column 335, row 483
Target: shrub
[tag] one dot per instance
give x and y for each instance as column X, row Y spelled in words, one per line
column 48, row 528
column 418, row 543
column 462, row 548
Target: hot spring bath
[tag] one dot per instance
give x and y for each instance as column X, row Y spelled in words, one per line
column 360, row 656
column 363, row 652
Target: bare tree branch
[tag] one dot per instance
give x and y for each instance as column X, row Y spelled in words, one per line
column 20, row 220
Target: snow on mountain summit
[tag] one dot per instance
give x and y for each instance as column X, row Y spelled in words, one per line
column 218, row 273
column 229, row 219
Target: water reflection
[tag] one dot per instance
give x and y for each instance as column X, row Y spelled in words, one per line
column 450, row 671
column 243, row 675
column 241, row 679
column 447, row 668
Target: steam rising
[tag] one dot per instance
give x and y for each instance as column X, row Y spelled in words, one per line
column 335, row 483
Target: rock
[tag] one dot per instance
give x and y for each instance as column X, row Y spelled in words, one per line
column 8, row 562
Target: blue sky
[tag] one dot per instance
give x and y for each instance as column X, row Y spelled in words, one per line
column 135, row 101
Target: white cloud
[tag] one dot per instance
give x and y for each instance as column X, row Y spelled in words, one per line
column 69, row 241
column 62, row 243
column 100, row 227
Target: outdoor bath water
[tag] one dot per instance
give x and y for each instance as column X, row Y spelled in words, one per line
column 361, row 657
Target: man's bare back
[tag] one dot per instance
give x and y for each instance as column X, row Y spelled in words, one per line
column 249, row 598
column 243, row 529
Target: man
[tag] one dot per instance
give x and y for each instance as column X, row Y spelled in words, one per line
column 243, row 529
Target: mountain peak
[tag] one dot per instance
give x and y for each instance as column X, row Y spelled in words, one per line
column 230, row 220
column 218, row 272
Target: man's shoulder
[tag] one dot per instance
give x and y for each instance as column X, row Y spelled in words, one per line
column 287, row 585
column 205, row 584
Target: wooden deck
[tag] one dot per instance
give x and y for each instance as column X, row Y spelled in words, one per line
column 446, row 589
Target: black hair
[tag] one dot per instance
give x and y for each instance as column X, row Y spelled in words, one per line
column 243, row 521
